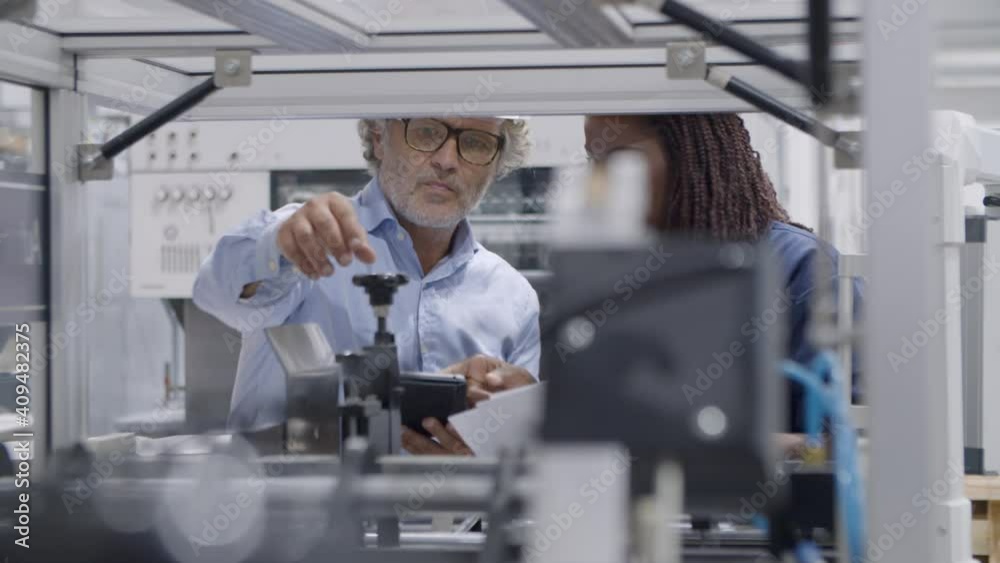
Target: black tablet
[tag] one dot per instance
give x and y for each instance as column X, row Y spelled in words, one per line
column 428, row 395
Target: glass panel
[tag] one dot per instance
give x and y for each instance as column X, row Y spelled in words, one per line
column 23, row 257
column 136, row 344
column 122, row 16
column 22, row 129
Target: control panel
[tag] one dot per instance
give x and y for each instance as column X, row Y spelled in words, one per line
column 175, row 220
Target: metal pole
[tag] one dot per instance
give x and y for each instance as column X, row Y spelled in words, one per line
column 819, row 51
column 801, row 121
column 69, row 362
column 158, row 118
column 905, row 290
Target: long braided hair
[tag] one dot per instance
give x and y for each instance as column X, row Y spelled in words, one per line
column 716, row 184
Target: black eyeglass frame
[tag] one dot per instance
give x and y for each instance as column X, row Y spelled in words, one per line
column 453, row 132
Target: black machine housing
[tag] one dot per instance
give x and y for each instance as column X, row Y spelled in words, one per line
column 639, row 342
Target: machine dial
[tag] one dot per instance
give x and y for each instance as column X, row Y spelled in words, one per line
column 194, row 193
column 225, row 192
column 176, row 194
column 162, row 194
column 208, row 192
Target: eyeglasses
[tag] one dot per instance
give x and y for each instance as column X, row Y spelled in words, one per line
column 474, row 146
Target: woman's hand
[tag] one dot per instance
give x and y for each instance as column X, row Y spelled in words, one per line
column 448, row 442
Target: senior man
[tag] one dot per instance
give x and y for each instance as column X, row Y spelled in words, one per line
column 465, row 309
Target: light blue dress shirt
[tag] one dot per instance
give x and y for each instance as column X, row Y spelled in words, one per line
column 472, row 302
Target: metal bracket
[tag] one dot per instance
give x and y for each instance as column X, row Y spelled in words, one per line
column 846, row 98
column 844, row 160
column 232, row 68
column 92, row 164
column 686, row 60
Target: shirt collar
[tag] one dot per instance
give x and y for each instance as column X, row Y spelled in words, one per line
column 374, row 211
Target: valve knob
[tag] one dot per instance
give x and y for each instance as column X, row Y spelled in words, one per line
column 380, row 287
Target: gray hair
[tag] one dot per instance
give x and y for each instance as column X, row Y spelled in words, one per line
column 516, row 144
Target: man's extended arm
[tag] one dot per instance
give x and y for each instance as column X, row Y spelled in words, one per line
column 252, row 269
column 248, row 257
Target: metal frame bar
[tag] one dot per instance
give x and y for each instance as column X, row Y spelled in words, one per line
column 293, row 25
column 611, row 89
column 130, row 86
column 774, row 33
column 34, row 57
column 908, row 431
column 588, row 25
column 69, row 367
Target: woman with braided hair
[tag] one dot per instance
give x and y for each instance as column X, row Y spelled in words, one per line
column 706, row 179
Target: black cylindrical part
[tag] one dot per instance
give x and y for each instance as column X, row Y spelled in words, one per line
column 735, row 40
column 819, row 52
column 157, row 119
column 788, row 114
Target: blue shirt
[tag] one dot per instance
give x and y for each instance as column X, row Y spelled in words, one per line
column 797, row 250
column 472, row 302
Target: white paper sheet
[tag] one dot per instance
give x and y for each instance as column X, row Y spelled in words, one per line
column 509, row 419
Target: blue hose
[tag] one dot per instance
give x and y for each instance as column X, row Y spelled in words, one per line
column 820, row 397
column 807, row 551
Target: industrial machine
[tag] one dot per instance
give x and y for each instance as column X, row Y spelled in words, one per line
column 217, row 496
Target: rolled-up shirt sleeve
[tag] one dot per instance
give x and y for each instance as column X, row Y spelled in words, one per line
column 527, row 350
column 245, row 255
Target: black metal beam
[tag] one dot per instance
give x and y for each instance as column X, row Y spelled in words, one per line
column 157, row 119
column 797, row 119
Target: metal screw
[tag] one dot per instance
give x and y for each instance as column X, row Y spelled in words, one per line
column 686, row 56
column 578, row 333
column 231, row 67
column 712, row 422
